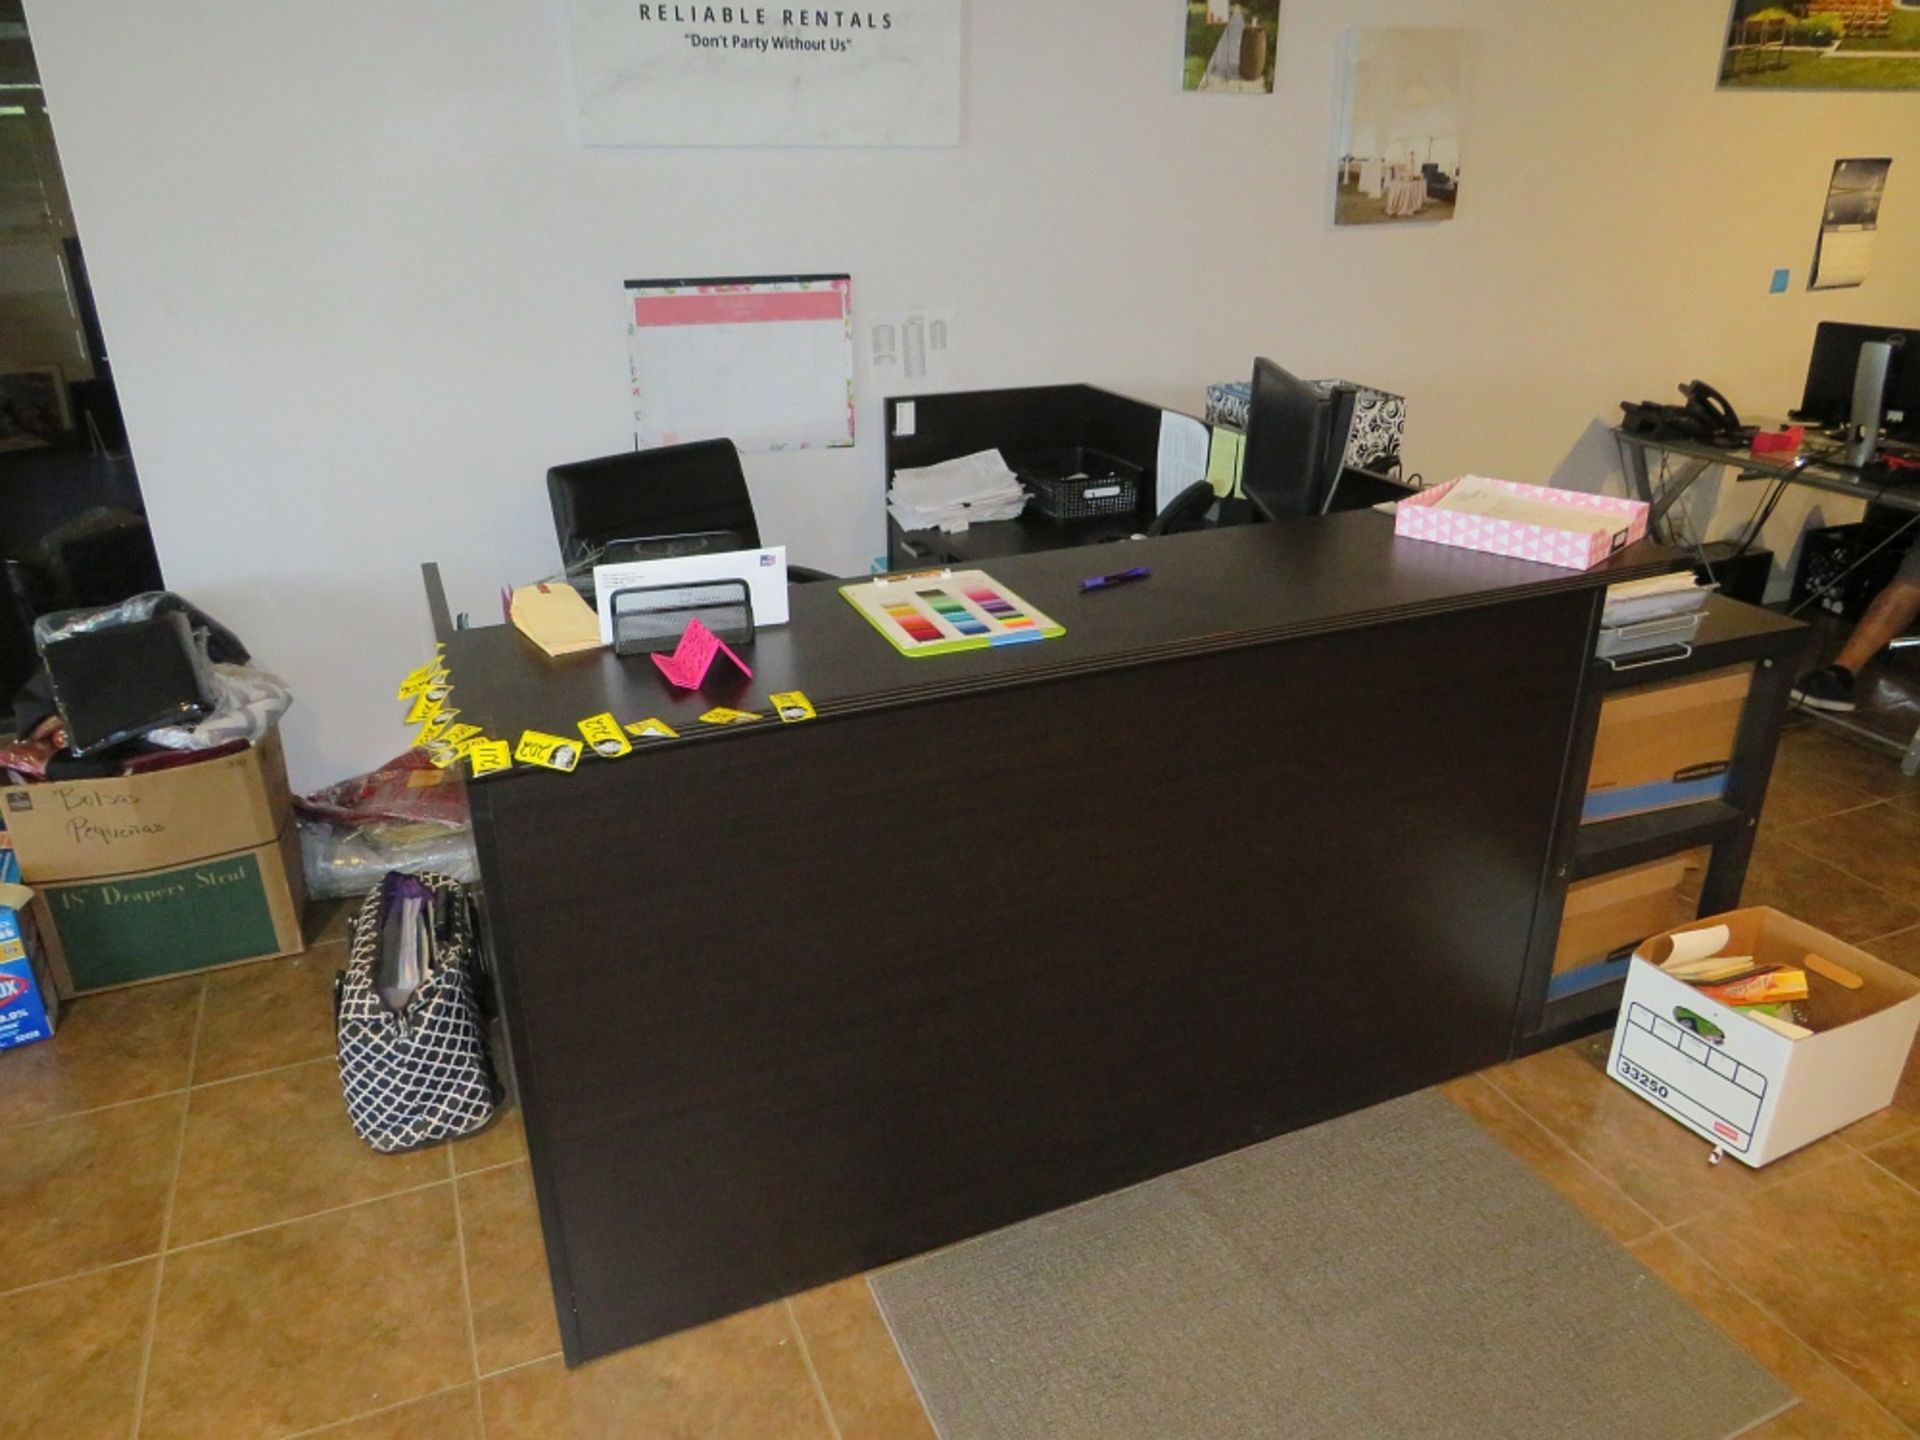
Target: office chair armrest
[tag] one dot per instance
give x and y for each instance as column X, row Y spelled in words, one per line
column 807, row 575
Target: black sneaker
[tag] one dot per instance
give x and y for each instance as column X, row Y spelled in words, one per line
column 1830, row 688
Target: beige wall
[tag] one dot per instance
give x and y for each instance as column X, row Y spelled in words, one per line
column 362, row 288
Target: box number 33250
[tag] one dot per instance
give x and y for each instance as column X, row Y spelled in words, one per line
column 1640, row 1077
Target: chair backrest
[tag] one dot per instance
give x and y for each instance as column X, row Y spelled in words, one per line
column 1186, row 511
column 694, row 489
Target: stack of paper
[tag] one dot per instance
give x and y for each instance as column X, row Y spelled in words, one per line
column 952, row 494
column 1472, row 495
column 1633, row 601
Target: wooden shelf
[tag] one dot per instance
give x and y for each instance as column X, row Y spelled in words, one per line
column 1613, row 844
column 1583, row 1005
column 1570, row 983
column 1730, row 634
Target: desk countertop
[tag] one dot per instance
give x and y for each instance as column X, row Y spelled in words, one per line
column 1210, row 591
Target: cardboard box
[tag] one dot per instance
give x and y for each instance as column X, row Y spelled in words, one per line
column 1755, row 1092
column 1416, row 518
column 1664, row 745
column 115, row 930
column 29, row 1005
column 85, row 829
column 1607, row 916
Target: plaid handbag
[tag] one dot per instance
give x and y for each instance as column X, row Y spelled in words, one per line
column 419, row 1073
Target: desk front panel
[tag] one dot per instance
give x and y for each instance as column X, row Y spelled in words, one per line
column 786, row 1009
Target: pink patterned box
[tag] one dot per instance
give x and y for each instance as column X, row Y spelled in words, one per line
column 1417, row 519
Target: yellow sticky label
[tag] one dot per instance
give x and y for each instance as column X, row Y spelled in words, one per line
column 424, row 708
column 556, row 752
column 791, row 706
column 489, row 756
column 459, row 735
column 421, row 679
column 604, row 734
column 440, row 755
column 435, row 729
column 721, row 715
column 653, row 730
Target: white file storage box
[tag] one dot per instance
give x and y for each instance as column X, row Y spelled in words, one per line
column 1751, row 1090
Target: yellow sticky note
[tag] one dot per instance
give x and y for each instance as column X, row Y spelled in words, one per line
column 555, row 752
column 489, row 756
column 1223, row 460
column 425, row 706
column 721, row 715
column 440, row 755
column 653, row 730
column 459, row 735
column 791, row 706
column 604, row 734
column 421, row 679
column 435, row 728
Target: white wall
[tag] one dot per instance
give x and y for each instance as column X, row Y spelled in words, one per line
column 361, row 288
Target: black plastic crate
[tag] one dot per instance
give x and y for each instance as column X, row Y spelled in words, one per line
column 1829, row 554
column 1077, row 482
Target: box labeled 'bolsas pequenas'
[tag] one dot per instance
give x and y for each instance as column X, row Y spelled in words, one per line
column 142, row 876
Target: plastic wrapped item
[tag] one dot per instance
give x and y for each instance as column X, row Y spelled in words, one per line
column 223, row 646
column 406, row 788
column 115, row 672
column 345, row 860
column 404, row 816
column 247, row 704
column 115, row 683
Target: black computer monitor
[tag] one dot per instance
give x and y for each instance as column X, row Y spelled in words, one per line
column 1293, row 448
column 1828, row 400
column 1357, row 489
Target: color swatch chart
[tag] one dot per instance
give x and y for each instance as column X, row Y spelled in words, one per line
column 937, row 612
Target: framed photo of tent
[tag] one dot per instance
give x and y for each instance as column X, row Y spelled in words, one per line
column 1403, row 98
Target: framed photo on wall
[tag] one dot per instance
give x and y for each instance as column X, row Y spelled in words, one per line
column 1231, row 46
column 1402, row 94
column 1842, row 45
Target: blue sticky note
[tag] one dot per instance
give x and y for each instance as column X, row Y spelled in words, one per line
column 1780, row 280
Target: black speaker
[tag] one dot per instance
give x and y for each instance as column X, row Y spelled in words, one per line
column 1740, row 577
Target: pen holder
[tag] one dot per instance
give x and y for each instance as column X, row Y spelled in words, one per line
column 649, row 618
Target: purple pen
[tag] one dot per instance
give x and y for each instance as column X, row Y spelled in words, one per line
column 1119, row 577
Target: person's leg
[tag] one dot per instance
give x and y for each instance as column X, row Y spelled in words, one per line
column 1887, row 618
column 1892, row 611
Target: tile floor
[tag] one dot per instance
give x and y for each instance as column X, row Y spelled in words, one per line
column 194, row 1244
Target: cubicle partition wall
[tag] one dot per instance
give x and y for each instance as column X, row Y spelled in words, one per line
column 1033, row 417
column 928, row 429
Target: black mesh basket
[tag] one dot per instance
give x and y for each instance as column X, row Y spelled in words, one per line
column 1076, row 482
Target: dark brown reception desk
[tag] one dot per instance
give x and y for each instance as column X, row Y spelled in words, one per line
column 1257, row 842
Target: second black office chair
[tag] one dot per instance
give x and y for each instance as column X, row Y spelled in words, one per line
column 1186, row 511
column 654, row 504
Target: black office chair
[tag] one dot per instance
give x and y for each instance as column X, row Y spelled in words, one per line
column 1186, row 511
column 656, row 504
